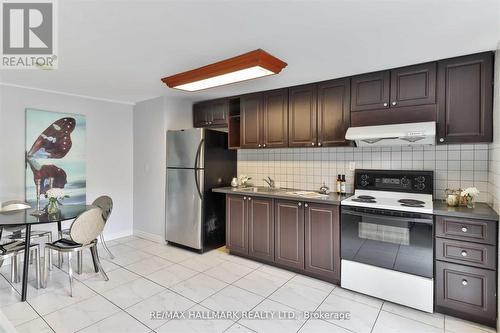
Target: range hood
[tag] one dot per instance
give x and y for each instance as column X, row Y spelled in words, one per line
column 393, row 135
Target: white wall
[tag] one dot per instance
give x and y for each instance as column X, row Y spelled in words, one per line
column 152, row 119
column 109, row 148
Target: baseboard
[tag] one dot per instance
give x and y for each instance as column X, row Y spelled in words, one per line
column 149, row 236
column 115, row 235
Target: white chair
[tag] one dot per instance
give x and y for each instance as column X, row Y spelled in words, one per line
column 83, row 235
column 12, row 250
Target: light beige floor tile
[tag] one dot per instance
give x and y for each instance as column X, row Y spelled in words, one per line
column 130, row 257
column 198, row 287
column 238, row 328
column 345, row 293
column 116, row 278
column 132, row 292
column 195, row 325
column 312, row 282
column 261, row 283
column 165, row 301
column 34, row 326
column 139, row 243
column 244, row 262
column 300, row 296
column 321, row 326
column 171, row 275
column 149, row 265
column 81, row 315
column 433, row 319
column 19, row 313
column 362, row 316
column 391, row 323
column 456, row 325
column 232, row 298
column 228, row 272
column 202, row 263
column 277, row 271
column 120, row 322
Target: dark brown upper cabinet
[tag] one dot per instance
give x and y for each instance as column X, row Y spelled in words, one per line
column 260, row 228
column 275, row 119
column 211, row 113
column 251, row 121
column 302, row 114
column 289, row 231
column 465, row 86
column 322, row 241
column 333, row 112
column 236, row 224
column 370, row 91
column 413, row 85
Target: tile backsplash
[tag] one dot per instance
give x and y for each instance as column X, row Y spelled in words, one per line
column 454, row 166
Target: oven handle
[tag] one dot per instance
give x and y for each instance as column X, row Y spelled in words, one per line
column 392, row 218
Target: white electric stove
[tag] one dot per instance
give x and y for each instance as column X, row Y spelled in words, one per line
column 387, row 237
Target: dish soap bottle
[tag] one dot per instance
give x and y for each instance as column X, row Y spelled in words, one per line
column 342, row 185
column 339, row 181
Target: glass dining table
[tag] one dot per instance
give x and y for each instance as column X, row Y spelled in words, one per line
column 26, row 219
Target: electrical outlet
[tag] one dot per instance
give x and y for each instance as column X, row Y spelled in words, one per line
column 352, row 166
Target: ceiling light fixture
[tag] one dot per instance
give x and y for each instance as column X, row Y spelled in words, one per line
column 244, row 67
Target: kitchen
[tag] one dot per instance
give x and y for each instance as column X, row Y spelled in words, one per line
column 260, row 186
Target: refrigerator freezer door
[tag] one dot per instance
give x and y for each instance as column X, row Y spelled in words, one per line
column 185, row 148
column 184, row 207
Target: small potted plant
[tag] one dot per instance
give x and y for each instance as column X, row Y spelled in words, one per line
column 55, row 196
column 470, row 194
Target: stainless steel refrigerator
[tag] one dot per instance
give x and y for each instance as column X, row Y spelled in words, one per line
column 197, row 161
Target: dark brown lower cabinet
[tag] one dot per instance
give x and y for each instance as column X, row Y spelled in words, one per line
column 289, row 228
column 236, row 224
column 260, row 214
column 322, row 240
column 466, row 292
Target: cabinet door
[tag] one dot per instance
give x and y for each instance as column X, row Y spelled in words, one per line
column 251, row 120
column 302, row 113
column 289, row 230
column 219, row 110
column 236, row 224
column 370, row 91
column 413, row 85
column 260, row 228
column 201, row 112
column 275, row 122
column 465, row 108
column 333, row 112
column 466, row 292
column 322, row 240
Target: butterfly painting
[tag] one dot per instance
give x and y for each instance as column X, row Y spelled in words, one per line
column 55, row 154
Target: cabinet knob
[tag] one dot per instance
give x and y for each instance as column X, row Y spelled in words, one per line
column 244, row 198
column 249, row 198
column 299, row 204
column 385, row 104
column 441, row 140
column 306, row 205
column 264, row 145
column 312, row 143
column 394, row 103
column 464, row 282
column 464, row 229
column 209, row 122
column 464, row 253
column 260, row 145
column 319, row 143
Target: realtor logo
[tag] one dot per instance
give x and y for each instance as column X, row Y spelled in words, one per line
column 28, row 34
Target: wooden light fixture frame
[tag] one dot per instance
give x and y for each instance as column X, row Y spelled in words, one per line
column 254, row 58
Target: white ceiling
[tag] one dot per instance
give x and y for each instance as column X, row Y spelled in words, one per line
column 120, row 49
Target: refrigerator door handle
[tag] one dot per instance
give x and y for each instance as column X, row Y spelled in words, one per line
column 196, row 159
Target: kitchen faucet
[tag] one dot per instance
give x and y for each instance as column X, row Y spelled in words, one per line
column 270, row 182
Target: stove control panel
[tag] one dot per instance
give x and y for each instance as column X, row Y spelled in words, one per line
column 395, row 180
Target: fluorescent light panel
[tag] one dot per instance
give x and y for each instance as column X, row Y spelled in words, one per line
column 220, row 80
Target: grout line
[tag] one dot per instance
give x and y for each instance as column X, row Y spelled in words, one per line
column 376, row 319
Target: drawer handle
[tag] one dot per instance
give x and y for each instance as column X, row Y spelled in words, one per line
column 464, row 282
column 300, row 204
column 464, row 253
column 244, row 198
column 464, row 229
column 306, row 205
column 249, row 198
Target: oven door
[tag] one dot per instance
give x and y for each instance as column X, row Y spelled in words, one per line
column 399, row 241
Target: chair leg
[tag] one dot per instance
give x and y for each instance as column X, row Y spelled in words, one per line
column 59, row 254
column 49, row 238
column 101, row 237
column 13, row 269
column 45, row 269
column 103, row 273
column 37, row 268
column 96, row 268
column 70, row 273
column 79, row 262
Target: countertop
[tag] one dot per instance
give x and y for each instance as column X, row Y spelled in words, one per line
column 332, row 199
column 481, row 211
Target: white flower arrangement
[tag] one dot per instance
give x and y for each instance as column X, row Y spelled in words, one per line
column 471, row 192
column 243, row 180
column 55, row 193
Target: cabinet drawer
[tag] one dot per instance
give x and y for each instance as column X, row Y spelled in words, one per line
column 466, row 292
column 467, row 253
column 480, row 231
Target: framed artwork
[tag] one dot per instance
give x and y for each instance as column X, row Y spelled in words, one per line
column 55, row 155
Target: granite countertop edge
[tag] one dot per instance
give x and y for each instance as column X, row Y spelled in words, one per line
column 481, row 211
